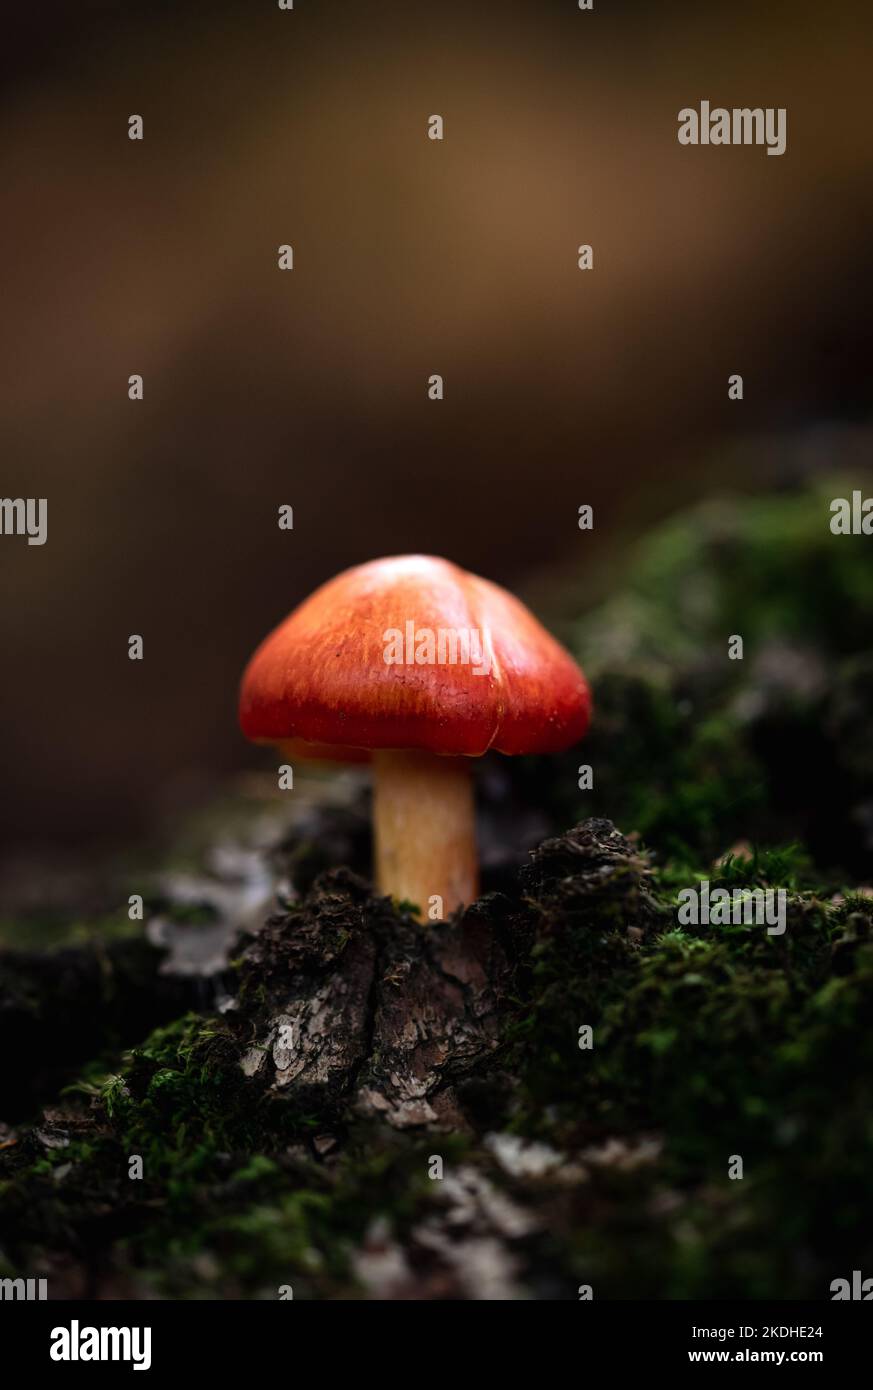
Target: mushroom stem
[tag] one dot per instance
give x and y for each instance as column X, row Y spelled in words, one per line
column 425, row 830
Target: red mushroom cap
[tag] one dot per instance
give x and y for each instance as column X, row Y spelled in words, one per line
column 322, row 674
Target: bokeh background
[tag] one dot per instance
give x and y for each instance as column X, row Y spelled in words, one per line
column 411, row 257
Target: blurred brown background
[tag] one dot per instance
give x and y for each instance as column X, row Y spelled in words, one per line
column 411, row 257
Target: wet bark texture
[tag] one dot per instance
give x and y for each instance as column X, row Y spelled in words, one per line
column 362, row 1007
column 288, row 1129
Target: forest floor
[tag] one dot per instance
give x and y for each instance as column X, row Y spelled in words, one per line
column 279, row 1080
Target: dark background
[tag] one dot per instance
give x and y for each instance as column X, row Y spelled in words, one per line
column 411, row 257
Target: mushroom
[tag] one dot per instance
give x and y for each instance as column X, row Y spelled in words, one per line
column 418, row 666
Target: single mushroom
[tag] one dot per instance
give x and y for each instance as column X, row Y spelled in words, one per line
column 420, row 667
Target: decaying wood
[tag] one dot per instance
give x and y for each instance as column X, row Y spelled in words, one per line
column 368, row 1007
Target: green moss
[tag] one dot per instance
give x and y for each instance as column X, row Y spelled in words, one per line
column 694, row 750
column 233, row 1201
column 708, row 1043
column 765, row 566
column 720, row 1041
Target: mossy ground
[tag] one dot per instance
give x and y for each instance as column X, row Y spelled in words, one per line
column 562, row 1165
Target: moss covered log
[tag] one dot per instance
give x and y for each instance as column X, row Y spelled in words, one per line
column 270, row 1161
column 554, row 1090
